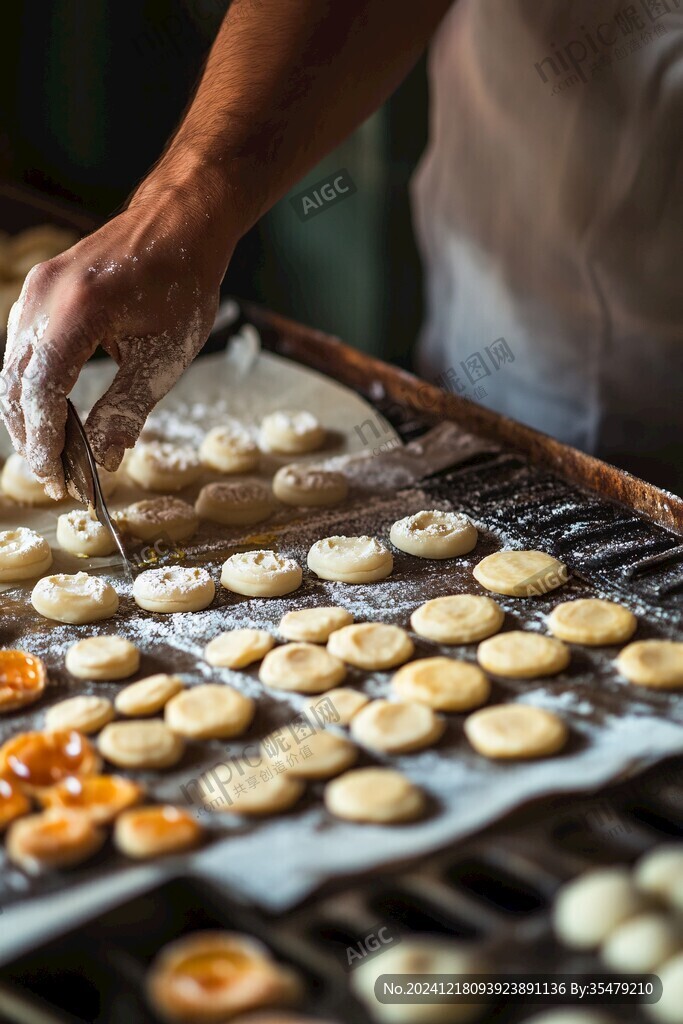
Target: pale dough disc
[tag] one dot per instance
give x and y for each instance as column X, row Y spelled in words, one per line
column 162, row 466
column 77, row 599
column 350, row 559
column 81, row 533
column 146, row 744
column 592, row 621
column 86, row 714
column 209, row 712
column 457, row 619
column 165, row 518
column 102, row 657
column 145, row 832
column 378, row 795
column 289, row 432
column 641, row 944
column 21, row 485
column 307, row 487
column 590, row 907
column 238, row 648
column 24, row 554
column 327, row 754
column 235, row 502
column 397, row 727
column 668, row 1009
column 443, row 684
column 434, row 534
column 520, row 573
column 654, row 663
column 261, row 574
column 660, row 871
column 515, row 731
column 343, row 702
column 229, row 449
column 174, row 589
column 247, row 791
column 314, row 625
column 371, row 645
column 147, row 696
column 303, row 668
column 53, row 839
column 523, row 655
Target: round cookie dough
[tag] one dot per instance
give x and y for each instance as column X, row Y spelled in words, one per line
column 102, row 657
column 522, row 655
column 668, row 1009
column 81, row 533
column 589, row 908
column 209, row 712
column 517, row 731
column 238, row 648
column 307, row 487
column 147, row 696
column 443, row 684
column 156, row 831
column 261, row 574
column 24, row 554
column 302, row 668
column 229, row 449
column 660, row 871
column 397, row 727
column 289, row 432
column 21, row 485
column 77, row 599
column 51, row 840
column 174, row 589
column 345, row 703
column 350, row 559
column 86, row 714
column 654, row 663
column 314, row 625
column 372, row 646
column 457, row 619
column 235, row 795
column 328, row 755
column 379, row 796
column 146, row 744
column 434, row 534
column 162, row 466
column 641, row 944
column 164, row 518
column 520, row 573
column 235, row 502
column 592, row 621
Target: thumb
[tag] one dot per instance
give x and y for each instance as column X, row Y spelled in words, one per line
column 116, row 420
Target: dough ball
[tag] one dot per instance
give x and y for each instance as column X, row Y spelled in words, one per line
column 327, row 754
column 235, row 502
column 668, row 1009
column 146, row 744
column 344, row 702
column 660, row 871
column 303, row 668
column 162, row 466
column 434, row 534
column 102, row 657
column 314, row 625
column 589, row 908
column 307, row 487
column 229, row 449
column 145, row 832
column 86, row 714
column 520, row 573
column 457, row 619
column 174, row 589
column 380, row 796
column 522, row 655
column 147, row 696
column 77, row 599
column 397, row 727
column 371, row 645
column 81, row 533
column 642, row 944
column 52, row 840
column 24, row 554
column 20, row 484
column 443, row 684
column 23, row 679
column 507, row 731
column 165, row 518
column 209, row 712
column 238, row 648
column 350, row 559
column 245, row 790
column 592, row 621
column 261, row 574
column 100, row 797
column 289, row 432
column 654, row 663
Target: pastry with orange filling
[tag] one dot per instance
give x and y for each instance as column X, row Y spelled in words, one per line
column 154, row 831
column 53, row 839
column 41, row 759
column 13, row 802
column 101, row 797
column 23, row 678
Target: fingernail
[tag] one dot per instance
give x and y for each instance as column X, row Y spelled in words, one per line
column 111, row 459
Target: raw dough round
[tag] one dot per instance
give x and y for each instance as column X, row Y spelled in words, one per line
column 350, row 559
column 328, row 755
column 100, row 797
column 81, row 533
column 654, row 663
column 238, row 648
column 145, row 832
column 457, row 619
column 314, row 625
column 434, row 534
column 371, row 645
column 235, row 502
column 397, row 727
column 24, row 554
column 86, row 714
column 162, row 466
column 153, row 519
column 307, row 487
column 261, row 574
column 303, row 668
column 660, row 871
column 515, row 731
column 290, row 432
column 147, row 696
column 590, row 907
column 522, row 655
column 345, row 703
column 174, row 589
column 77, row 599
column 592, row 621
column 52, row 839
column 102, row 657
column 443, row 684
column 229, row 449
column 146, row 744
column 21, row 485
column 209, row 712
column 236, row 795
column 378, row 795
column 520, row 573
column 668, row 1009
column 641, row 944
column 23, row 679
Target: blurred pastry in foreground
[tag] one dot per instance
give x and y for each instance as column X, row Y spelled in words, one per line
column 155, row 831
column 55, row 838
column 23, row 679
